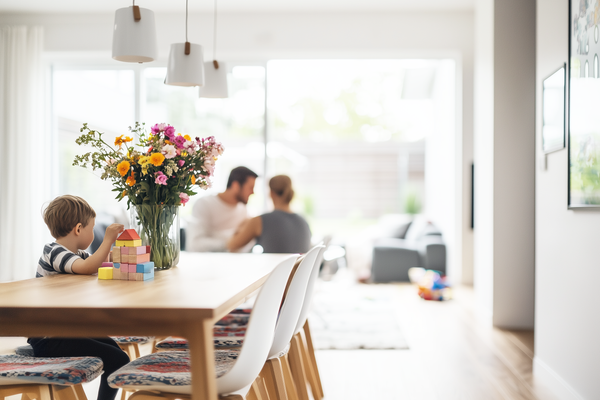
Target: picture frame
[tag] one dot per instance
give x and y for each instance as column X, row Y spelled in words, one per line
column 583, row 103
column 554, row 100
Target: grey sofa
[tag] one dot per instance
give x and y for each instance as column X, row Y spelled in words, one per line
column 422, row 245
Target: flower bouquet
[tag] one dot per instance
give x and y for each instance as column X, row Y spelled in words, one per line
column 156, row 176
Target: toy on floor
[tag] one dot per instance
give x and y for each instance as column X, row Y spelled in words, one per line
column 129, row 260
column 432, row 285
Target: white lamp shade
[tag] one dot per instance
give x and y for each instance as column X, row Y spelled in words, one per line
column 215, row 81
column 185, row 69
column 134, row 41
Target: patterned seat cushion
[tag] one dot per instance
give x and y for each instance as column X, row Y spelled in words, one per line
column 239, row 316
column 26, row 350
column 175, row 343
column 131, row 339
column 167, row 371
column 15, row 370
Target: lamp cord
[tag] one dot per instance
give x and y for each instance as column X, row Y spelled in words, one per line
column 186, row 20
column 215, row 31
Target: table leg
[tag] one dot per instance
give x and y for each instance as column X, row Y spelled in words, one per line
column 204, row 381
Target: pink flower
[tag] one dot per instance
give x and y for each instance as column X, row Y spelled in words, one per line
column 161, row 179
column 184, row 198
column 180, row 162
column 169, row 151
column 179, row 142
column 170, row 132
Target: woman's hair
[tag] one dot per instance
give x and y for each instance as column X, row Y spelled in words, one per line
column 281, row 185
column 65, row 212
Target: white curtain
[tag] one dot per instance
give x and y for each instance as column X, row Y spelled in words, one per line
column 24, row 173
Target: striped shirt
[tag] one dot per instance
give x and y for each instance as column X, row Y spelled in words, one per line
column 57, row 259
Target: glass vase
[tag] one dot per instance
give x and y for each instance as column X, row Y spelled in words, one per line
column 158, row 227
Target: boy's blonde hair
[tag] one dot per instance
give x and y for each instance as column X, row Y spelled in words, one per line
column 65, row 212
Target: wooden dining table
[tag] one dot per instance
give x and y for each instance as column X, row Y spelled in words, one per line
column 183, row 301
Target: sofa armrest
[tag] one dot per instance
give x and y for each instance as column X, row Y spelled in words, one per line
column 433, row 253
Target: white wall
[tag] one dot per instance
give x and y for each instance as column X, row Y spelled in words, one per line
column 250, row 37
column 567, row 254
column 504, row 161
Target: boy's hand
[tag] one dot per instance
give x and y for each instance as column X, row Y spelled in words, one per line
column 112, row 232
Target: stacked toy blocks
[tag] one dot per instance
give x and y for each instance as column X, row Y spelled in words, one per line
column 130, row 261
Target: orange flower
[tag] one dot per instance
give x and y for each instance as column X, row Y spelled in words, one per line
column 168, row 142
column 187, row 137
column 124, row 193
column 193, row 180
column 119, row 140
column 157, row 159
column 123, row 167
column 131, row 180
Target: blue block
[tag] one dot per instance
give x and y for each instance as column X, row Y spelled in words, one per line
column 149, row 275
column 116, row 265
column 145, row 267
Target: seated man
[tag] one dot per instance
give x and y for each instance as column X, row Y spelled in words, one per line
column 215, row 218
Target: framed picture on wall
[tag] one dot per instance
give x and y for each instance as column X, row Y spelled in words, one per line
column 584, row 105
column 554, row 95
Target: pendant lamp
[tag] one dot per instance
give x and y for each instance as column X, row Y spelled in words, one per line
column 215, row 73
column 186, row 64
column 134, row 35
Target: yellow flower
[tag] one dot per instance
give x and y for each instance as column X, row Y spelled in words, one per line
column 143, row 160
column 193, row 180
column 131, row 180
column 187, row 137
column 157, row 159
column 119, row 140
column 123, row 167
column 124, row 193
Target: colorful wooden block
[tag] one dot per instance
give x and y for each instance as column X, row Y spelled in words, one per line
column 107, row 265
column 132, row 276
column 138, row 250
column 115, row 257
column 124, row 250
column 129, row 234
column 149, row 275
column 139, row 258
column 139, row 276
column 133, row 243
column 116, row 274
column 145, row 267
column 132, row 268
column 147, row 249
column 117, row 265
column 105, row 273
column 124, row 275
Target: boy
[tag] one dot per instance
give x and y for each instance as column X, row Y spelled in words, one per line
column 71, row 222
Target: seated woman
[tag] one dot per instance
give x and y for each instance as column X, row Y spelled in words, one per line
column 280, row 231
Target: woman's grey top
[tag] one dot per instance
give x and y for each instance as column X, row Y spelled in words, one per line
column 284, row 232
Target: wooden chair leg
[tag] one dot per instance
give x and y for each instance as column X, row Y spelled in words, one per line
column 290, row 386
column 272, row 373
column 299, row 373
column 79, row 392
column 310, row 354
column 38, row 392
column 312, row 376
column 262, row 388
column 63, row 392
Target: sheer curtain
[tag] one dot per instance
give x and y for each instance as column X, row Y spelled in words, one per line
column 24, row 176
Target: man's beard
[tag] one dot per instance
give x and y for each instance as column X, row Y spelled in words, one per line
column 240, row 199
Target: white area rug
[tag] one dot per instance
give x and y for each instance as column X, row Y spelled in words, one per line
column 348, row 316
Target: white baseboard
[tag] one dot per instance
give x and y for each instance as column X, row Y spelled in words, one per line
column 550, row 379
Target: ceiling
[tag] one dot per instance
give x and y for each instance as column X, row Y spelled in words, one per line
column 106, row 6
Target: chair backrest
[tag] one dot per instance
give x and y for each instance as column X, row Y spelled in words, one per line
column 292, row 305
column 260, row 332
column 310, row 288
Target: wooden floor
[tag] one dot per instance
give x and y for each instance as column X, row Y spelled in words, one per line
column 452, row 355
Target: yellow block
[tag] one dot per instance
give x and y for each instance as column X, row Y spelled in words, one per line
column 128, row 243
column 105, row 273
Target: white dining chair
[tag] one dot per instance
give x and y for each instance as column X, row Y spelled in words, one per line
column 168, row 373
column 276, row 372
column 302, row 355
